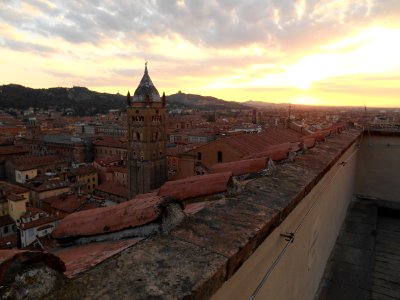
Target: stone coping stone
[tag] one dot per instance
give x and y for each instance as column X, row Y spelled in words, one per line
column 199, row 255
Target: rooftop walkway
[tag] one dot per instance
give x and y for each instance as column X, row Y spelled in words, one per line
column 365, row 262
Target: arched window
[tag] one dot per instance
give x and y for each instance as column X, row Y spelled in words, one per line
column 138, row 136
column 219, row 158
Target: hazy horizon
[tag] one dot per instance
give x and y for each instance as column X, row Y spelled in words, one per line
column 322, row 53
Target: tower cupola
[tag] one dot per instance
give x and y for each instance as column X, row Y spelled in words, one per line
column 146, row 91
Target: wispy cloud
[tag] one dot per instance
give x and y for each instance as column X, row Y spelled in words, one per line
column 200, row 44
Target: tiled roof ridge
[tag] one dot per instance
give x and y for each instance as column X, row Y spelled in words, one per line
column 129, row 214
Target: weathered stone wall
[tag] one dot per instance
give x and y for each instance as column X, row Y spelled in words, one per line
column 226, row 248
column 298, row 273
column 378, row 172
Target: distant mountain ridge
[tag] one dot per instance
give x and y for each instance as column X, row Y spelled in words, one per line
column 80, row 99
column 86, row 102
column 202, row 102
column 261, row 104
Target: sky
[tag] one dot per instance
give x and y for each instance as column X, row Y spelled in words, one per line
column 323, row 52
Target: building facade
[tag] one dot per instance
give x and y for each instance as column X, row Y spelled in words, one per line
column 147, row 166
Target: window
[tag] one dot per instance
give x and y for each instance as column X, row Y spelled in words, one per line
column 138, row 136
column 5, row 229
column 219, row 158
column 198, row 155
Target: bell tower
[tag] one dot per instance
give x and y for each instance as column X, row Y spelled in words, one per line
column 147, row 166
column 32, row 129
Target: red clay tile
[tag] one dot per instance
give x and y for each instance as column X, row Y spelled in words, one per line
column 241, row 167
column 81, row 258
column 132, row 213
column 196, row 186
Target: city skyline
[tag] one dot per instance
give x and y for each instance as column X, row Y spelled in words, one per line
column 303, row 52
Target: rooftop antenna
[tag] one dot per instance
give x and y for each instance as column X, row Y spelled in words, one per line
column 365, row 126
column 290, row 114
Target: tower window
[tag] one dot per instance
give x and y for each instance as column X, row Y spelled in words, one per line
column 156, row 135
column 219, row 158
column 138, row 136
column 156, row 111
column 198, row 155
column 137, row 111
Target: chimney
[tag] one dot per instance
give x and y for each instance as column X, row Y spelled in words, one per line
column 163, row 100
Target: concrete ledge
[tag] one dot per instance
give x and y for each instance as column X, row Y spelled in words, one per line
column 195, row 259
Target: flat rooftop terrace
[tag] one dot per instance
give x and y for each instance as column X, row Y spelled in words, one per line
column 365, row 262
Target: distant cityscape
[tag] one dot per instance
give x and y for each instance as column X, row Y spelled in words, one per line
column 78, row 186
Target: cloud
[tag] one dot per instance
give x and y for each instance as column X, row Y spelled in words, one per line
column 28, row 47
column 213, row 24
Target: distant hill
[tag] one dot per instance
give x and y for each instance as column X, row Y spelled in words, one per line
column 83, row 101
column 80, row 99
column 191, row 101
column 267, row 105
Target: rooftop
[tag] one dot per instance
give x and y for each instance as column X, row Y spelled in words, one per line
column 365, row 261
column 207, row 248
column 33, row 162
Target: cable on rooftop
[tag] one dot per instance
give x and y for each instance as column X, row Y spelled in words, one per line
column 289, row 237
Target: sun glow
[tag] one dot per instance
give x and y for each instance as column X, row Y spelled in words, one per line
column 328, row 52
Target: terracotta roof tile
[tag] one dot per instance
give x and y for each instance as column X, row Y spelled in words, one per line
column 68, row 204
column 241, row 167
column 118, row 169
column 247, row 144
column 12, row 150
column 47, row 185
column 39, row 222
column 196, row 186
column 275, row 152
column 129, row 214
column 81, row 258
column 8, row 188
column 33, row 162
column 108, row 160
column 84, row 170
column 9, row 241
column 6, row 220
column 108, row 141
column 114, row 189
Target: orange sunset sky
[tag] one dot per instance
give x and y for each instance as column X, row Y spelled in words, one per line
column 325, row 52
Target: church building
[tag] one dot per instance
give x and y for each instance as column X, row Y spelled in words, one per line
column 147, row 165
